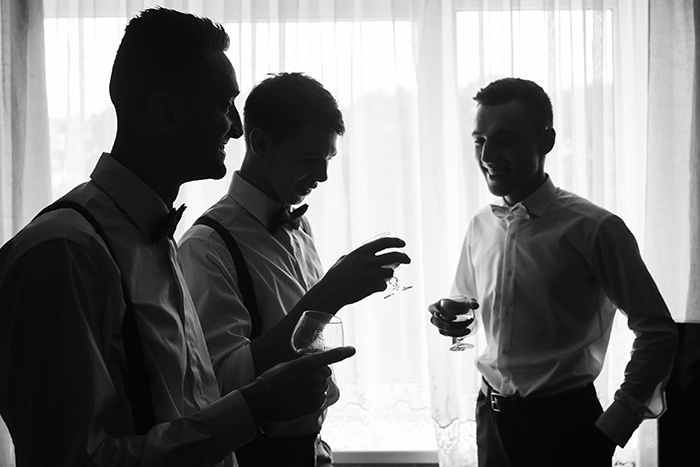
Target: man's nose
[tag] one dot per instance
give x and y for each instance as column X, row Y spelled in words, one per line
column 488, row 152
column 236, row 129
column 321, row 172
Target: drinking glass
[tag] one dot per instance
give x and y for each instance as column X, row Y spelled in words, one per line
column 461, row 307
column 317, row 331
column 393, row 281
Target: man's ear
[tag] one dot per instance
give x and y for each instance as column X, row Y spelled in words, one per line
column 258, row 142
column 162, row 109
column 546, row 141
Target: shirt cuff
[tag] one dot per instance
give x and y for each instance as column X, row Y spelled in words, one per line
column 618, row 423
column 230, row 421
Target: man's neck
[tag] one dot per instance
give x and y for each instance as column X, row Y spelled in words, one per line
column 144, row 165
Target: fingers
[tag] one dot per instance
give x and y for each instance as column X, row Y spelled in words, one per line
column 444, row 320
column 393, row 258
column 330, row 356
column 382, row 244
column 447, row 329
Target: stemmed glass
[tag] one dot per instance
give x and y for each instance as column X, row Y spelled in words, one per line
column 317, row 331
column 393, row 281
column 461, row 307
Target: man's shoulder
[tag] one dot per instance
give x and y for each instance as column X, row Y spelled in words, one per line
column 227, row 212
column 64, row 224
column 65, row 227
column 570, row 204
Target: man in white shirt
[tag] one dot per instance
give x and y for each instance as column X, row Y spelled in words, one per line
column 102, row 357
column 291, row 127
column 549, row 270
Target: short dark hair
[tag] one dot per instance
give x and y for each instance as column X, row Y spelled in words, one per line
column 529, row 93
column 161, row 51
column 283, row 104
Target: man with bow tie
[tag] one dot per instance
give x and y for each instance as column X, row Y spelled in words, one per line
column 102, row 358
column 549, row 270
column 251, row 263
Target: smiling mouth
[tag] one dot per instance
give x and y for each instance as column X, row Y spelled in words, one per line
column 496, row 172
column 222, row 148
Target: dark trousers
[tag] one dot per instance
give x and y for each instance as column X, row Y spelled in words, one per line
column 283, row 451
column 541, row 432
column 679, row 430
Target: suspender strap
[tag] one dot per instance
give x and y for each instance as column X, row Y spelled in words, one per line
column 244, row 280
column 138, row 384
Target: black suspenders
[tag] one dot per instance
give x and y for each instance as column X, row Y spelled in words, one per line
column 244, row 280
column 138, row 384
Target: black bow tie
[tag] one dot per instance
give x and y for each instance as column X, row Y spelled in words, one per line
column 285, row 216
column 167, row 226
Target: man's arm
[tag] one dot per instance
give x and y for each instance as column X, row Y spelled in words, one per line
column 62, row 394
column 212, row 280
column 353, row 277
column 617, row 264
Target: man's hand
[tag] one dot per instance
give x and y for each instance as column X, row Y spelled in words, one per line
column 292, row 389
column 360, row 273
column 353, row 277
column 447, row 320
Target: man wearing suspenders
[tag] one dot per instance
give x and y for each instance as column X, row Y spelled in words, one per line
column 249, row 306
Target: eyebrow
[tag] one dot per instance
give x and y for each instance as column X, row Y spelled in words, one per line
column 501, row 132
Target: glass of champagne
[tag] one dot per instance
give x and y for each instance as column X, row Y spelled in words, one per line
column 393, row 281
column 317, row 331
column 462, row 307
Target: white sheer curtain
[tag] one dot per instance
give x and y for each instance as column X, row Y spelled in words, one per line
column 673, row 223
column 404, row 73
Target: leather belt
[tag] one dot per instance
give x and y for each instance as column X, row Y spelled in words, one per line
column 513, row 403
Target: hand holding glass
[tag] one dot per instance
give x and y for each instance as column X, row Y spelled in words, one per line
column 462, row 308
column 392, row 281
column 316, row 332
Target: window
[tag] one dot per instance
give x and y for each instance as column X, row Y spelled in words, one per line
column 404, row 74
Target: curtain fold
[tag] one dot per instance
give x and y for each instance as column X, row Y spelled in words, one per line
column 672, row 221
column 673, row 213
column 693, row 304
column 25, row 165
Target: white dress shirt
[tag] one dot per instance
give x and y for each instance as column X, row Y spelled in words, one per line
column 548, row 283
column 283, row 267
column 62, row 360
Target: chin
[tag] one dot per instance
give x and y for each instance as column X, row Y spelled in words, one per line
column 497, row 190
column 213, row 173
column 219, row 174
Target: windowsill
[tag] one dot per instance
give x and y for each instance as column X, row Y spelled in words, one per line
column 385, row 457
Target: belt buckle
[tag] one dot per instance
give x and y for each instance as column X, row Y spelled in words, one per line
column 493, row 398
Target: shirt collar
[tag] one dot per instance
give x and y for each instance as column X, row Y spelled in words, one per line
column 257, row 203
column 538, row 202
column 137, row 200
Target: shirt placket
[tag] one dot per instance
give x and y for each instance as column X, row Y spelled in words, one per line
column 196, row 366
column 505, row 304
column 296, row 253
